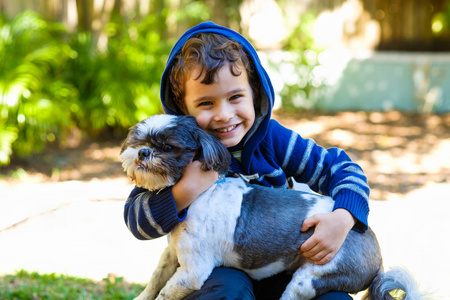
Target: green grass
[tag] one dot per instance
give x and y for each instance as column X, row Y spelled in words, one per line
column 26, row 285
column 34, row 286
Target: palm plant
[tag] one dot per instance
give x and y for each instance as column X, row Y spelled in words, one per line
column 52, row 81
column 119, row 85
column 33, row 105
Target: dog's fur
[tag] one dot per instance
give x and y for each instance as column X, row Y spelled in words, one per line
column 248, row 227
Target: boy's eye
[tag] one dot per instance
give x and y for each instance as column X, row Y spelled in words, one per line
column 234, row 97
column 205, row 103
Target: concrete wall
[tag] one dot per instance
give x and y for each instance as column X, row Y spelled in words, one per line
column 371, row 81
column 387, row 81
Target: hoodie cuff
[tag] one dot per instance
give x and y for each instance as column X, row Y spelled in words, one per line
column 358, row 206
column 164, row 210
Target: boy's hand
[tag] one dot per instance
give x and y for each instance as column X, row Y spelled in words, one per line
column 193, row 182
column 330, row 232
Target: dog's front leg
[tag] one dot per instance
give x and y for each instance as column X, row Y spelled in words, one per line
column 187, row 279
column 167, row 266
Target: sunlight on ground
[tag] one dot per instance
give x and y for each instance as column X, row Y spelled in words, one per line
column 73, row 228
column 77, row 228
column 396, row 159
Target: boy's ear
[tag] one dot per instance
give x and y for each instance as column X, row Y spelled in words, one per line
column 212, row 153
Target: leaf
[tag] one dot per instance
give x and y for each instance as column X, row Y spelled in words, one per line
column 8, row 135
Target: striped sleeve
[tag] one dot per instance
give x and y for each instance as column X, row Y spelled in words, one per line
column 329, row 172
column 148, row 215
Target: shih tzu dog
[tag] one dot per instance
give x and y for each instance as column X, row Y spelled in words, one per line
column 249, row 227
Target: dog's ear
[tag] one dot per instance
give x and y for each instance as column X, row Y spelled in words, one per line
column 127, row 141
column 212, row 153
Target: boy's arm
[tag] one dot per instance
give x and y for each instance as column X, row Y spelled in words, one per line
column 342, row 180
column 329, row 172
column 151, row 215
column 194, row 182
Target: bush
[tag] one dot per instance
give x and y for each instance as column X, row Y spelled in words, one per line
column 119, row 85
column 52, row 82
column 32, row 97
column 303, row 81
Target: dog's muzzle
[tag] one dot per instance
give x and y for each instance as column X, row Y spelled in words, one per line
column 143, row 154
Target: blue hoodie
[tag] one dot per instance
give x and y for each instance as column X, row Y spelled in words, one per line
column 267, row 94
column 271, row 154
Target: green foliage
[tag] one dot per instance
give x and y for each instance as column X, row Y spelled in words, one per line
column 31, row 285
column 192, row 13
column 52, row 81
column 440, row 23
column 119, row 85
column 31, row 54
column 303, row 84
column 8, row 135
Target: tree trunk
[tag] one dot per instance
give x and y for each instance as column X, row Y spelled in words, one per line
column 84, row 10
column 157, row 8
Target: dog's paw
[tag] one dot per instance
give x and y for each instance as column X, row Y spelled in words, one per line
column 163, row 296
column 145, row 296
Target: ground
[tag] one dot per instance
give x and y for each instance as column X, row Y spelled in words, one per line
column 399, row 152
column 62, row 211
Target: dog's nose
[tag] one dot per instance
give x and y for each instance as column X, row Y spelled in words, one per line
column 143, row 153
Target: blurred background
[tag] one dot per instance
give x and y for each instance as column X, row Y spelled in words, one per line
column 369, row 76
column 71, row 69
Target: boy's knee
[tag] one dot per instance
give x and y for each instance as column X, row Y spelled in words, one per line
column 225, row 284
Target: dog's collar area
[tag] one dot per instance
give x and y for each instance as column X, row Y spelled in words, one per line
column 221, row 178
column 246, row 178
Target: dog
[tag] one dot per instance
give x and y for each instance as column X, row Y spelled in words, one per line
column 249, row 227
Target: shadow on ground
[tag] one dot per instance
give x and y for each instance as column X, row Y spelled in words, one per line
column 399, row 152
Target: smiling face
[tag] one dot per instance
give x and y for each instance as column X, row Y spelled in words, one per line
column 223, row 108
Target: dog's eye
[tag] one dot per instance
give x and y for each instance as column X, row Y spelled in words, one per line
column 167, row 148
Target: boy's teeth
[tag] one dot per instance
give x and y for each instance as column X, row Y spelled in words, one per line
column 226, row 129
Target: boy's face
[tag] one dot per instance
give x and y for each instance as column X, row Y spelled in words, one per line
column 223, row 108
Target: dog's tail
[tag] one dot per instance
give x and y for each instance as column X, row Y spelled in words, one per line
column 397, row 283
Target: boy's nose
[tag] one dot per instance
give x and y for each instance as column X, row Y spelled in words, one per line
column 224, row 112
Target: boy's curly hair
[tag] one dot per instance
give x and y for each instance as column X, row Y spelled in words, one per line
column 210, row 52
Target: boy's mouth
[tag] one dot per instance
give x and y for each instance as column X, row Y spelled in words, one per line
column 226, row 129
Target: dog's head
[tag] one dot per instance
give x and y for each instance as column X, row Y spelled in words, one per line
column 158, row 149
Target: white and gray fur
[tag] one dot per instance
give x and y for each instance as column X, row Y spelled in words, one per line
column 248, row 227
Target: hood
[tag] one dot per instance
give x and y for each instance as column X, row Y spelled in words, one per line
column 259, row 129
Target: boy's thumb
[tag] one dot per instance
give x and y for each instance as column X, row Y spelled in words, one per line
column 308, row 223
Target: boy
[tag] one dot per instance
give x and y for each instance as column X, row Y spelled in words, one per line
column 214, row 74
